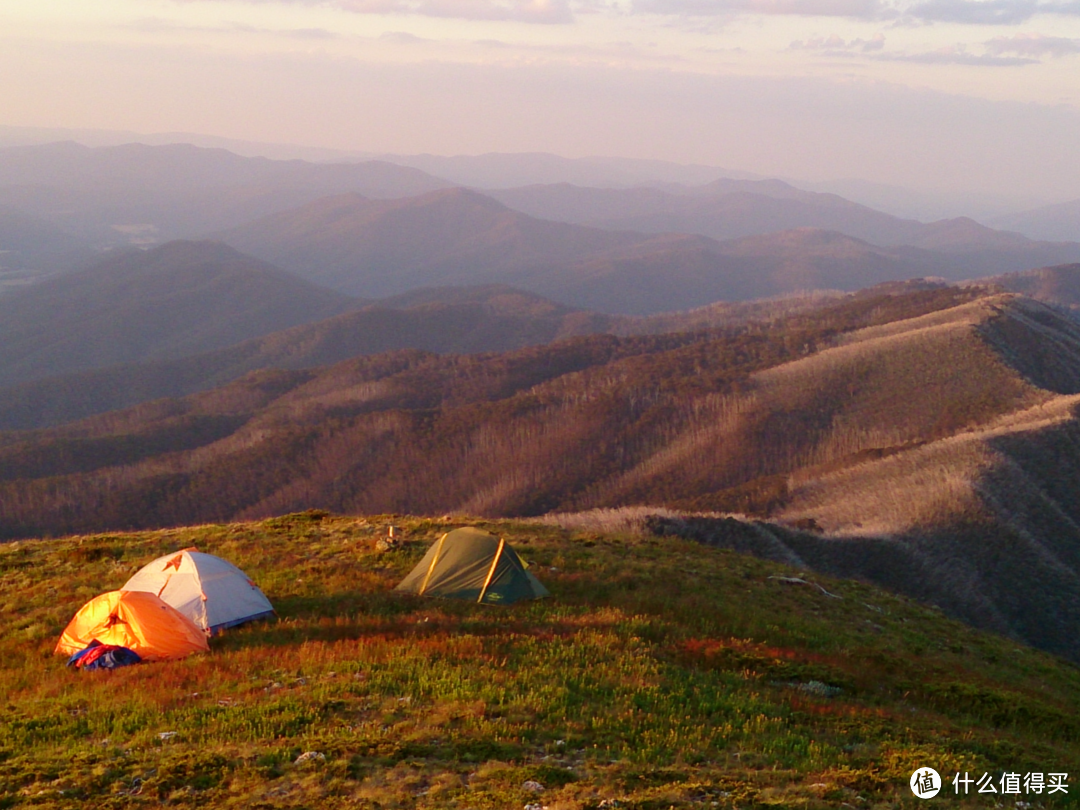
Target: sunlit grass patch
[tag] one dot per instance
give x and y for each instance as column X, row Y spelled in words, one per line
column 659, row 675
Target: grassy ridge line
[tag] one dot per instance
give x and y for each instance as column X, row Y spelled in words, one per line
column 660, row 675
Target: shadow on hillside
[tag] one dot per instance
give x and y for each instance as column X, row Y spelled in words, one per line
column 385, row 616
column 1013, row 570
column 324, row 617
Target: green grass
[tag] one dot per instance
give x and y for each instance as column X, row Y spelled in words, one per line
column 662, row 674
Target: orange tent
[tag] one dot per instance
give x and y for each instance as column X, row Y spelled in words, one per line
column 136, row 620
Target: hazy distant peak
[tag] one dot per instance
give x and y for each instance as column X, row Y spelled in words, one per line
column 803, row 238
column 52, row 146
column 181, row 298
column 190, row 249
column 498, row 297
column 346, row 200
column 457, row 194
column 1060, row 222
column 964, row 232
column 727, row 185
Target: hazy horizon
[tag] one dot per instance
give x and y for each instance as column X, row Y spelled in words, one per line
column 952, row 96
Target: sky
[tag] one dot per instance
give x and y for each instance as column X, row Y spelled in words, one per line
column 951, row 95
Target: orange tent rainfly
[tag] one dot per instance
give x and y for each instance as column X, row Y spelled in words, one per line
column 136, row 620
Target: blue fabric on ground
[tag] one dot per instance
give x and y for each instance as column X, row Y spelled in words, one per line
column 78, row 657
column 103, row 656
column 114, row 659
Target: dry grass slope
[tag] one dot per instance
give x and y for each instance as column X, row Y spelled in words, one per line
column 660, row 676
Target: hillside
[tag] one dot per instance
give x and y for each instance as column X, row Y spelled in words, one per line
column 377, row 248
column 979, row 518
column 895, row 417
column 180, row 299
column 31, row 248
column 443, row 320
column 661, row 674
column 677, row 271
column 112, row 195
column 1058, row 285
column 454, row 320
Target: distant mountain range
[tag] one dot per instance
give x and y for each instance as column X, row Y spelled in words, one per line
column 141, row 194
column 376, row 248
column 453, row 236
column 1059, row 222
column 730, row 209
column 503, row 170
column 110, row 195
column 375, row 229
column 189, row 316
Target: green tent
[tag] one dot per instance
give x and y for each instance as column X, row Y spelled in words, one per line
column 471, row 564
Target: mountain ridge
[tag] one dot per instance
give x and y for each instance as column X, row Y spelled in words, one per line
column 177, row 190
column 732, row 209
column 461, row 237
column 1058, row 222
column 444, row 237
column 874, row 430
column 180, row 298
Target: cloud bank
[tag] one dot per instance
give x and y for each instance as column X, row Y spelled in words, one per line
column 1034, row 45
column 965, row 12
column 546, row 12
column 837, row 43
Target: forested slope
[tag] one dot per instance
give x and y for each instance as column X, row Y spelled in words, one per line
column 937, row 424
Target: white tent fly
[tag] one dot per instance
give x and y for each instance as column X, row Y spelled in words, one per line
column 210, row 591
